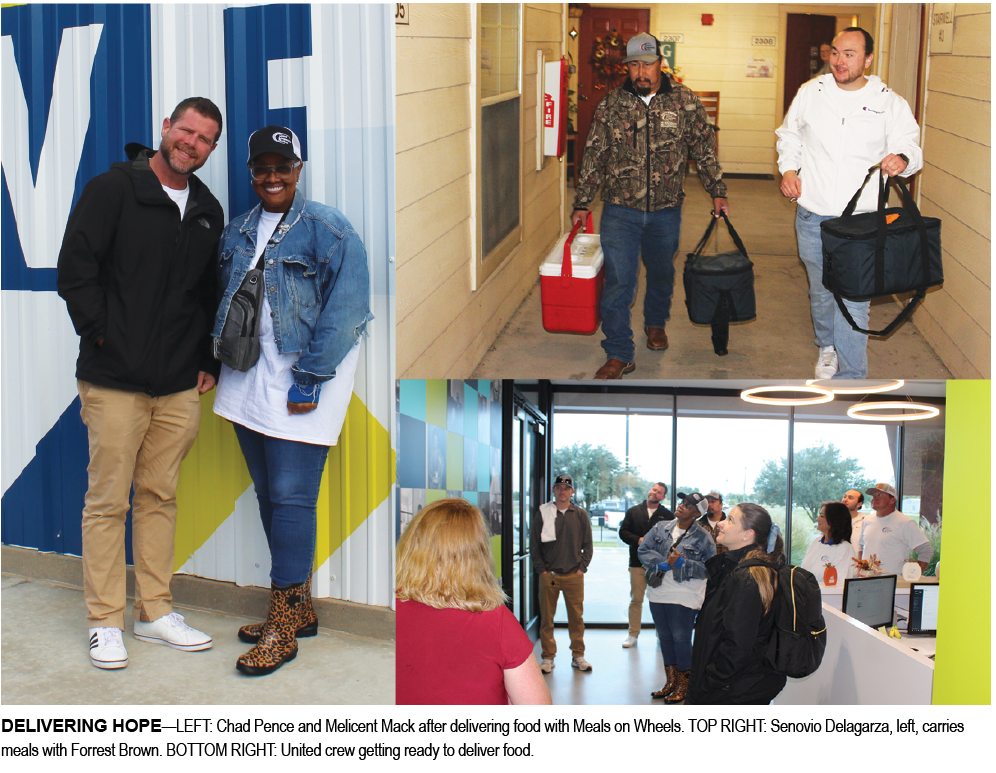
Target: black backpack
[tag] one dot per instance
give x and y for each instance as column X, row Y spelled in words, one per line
column 799, row 635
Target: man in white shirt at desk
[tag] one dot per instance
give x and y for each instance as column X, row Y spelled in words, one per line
column 890, row 535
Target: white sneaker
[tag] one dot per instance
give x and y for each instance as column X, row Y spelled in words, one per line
column 107, row 649
column 581, row 664
column 826, row 365
column 171, row 630
column 546, row 666
column 630, row 642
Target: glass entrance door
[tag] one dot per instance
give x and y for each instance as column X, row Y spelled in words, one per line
column 528, row 481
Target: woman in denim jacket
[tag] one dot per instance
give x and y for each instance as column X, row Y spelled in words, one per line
column 289, row 407
column 677, row 550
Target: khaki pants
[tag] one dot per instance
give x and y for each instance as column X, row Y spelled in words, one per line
column 135, row 440
column 637, row 589
column 551, row 586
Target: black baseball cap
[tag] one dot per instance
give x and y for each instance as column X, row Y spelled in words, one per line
column 274, row 139
column 565, row 479
column 695, row 500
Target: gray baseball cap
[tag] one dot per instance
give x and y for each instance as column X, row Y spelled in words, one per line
column 883, row 488
column 642, row 48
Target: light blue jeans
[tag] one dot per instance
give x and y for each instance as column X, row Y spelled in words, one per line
column 830, row 326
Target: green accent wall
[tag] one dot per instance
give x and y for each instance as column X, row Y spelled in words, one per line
column 962, row 670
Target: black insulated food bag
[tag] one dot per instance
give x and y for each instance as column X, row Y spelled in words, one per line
column 882, row 253
column 719, row 288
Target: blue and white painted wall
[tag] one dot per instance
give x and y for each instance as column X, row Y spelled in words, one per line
column 81, row 81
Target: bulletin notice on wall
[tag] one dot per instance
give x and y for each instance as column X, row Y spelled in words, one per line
column 225, row 737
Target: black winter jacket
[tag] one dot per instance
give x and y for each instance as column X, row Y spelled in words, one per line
column 637, row 523
column 137, row 275
column 731, row 635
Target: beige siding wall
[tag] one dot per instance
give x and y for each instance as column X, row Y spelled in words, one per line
column 444, row 327
column 714, row 58
column 956, row 187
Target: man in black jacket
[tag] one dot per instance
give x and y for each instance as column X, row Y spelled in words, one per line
column 137, row 270
column 639, row 520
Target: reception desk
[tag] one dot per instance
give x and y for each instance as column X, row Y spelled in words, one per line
column 863, row 666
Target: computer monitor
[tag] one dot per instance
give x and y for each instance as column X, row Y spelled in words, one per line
column 870, row 600
column 923, row 607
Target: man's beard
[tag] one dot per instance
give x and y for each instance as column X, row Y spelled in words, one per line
column 641, row 91
column 166, row 149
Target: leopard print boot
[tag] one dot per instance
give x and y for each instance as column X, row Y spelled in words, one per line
column 277, row 644
column 672, row 682
column 309, row 619
column 679, row 692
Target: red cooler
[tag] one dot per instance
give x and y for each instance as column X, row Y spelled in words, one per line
column 571, row 282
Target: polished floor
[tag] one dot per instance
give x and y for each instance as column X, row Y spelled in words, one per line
column 778, row 344
column 618, row 677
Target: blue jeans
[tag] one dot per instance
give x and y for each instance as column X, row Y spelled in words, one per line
column 286, row 475
column 625, row 234
column 674, row 625
column 830, row 326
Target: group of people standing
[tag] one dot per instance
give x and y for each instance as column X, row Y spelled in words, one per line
column 684, row 562
column 839, row 125
column 150, row 274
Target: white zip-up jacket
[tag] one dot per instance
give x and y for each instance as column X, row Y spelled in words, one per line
column 832, row 152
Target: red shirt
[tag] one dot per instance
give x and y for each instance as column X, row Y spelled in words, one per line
column 451, row 656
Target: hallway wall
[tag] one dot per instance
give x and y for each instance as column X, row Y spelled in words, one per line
column 955, row 185
column 714, row 58
column 444, row 327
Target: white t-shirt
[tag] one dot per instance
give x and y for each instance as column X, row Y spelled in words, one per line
column 688, row 593
column 838, row 555
column 179, row 197
column 892, row 538
column 845, row 100
column 856, row 521
column 257, row 399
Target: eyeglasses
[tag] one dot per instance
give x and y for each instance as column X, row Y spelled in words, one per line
column 283, row 171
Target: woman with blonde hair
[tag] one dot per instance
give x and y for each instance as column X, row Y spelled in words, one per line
column 734, row 624
column 457, row 642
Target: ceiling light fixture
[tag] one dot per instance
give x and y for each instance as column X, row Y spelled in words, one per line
column 859, row 390
column 819, row 395
column 864, row 411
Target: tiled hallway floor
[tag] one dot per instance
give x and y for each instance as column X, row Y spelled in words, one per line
column 778, row 344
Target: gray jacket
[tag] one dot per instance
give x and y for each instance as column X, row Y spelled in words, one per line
column 572, row 548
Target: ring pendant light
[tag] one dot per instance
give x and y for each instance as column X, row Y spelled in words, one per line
column 863, row 411
column 819, row 395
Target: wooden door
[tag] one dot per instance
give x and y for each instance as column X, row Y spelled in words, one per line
column 804, row 36
column 592, row 84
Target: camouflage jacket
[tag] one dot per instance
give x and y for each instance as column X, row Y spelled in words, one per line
column 636, row 148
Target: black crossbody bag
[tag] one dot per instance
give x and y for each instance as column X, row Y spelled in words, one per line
column 238, row 345
column 653, row 577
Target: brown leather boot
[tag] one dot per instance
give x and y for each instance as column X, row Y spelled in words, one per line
column 656, row 338
column 672, row 682
column 309, row 619
column 277, row 644
column 681, row 690
column 615, row 369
